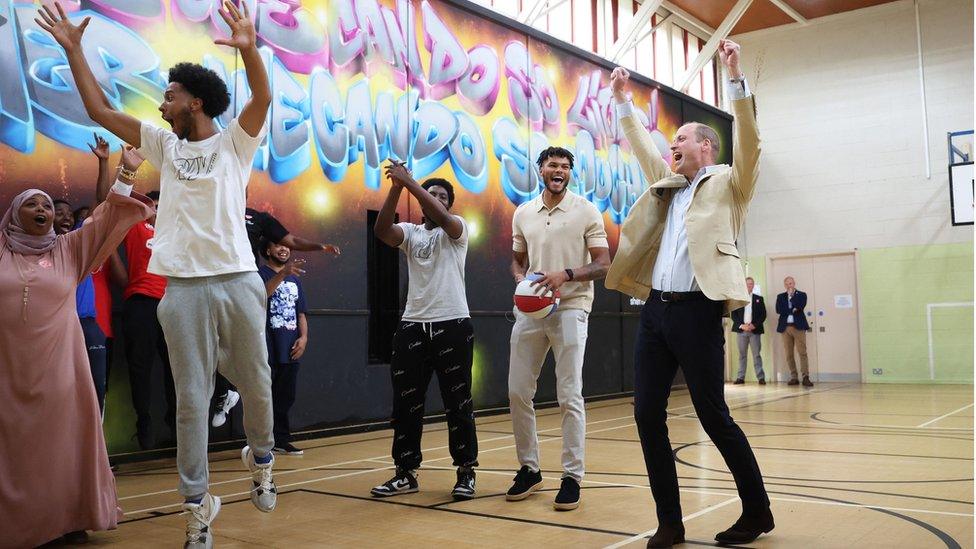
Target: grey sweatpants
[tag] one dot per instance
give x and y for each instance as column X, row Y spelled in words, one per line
column 216, row 323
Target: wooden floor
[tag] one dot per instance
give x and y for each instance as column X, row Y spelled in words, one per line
column 846, row 465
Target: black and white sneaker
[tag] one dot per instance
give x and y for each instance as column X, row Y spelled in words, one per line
column 568, row 497
column 288, row 449
column 526, row 482
column 464, row 489
column 405, row 482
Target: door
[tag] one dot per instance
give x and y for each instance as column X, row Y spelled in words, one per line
column 835, row 312
column 802, row 271
column 833, row 342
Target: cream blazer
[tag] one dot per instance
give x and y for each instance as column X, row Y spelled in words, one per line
column 715, row 216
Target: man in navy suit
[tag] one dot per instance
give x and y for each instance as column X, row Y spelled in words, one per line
column 747, row 322
column 793, row 325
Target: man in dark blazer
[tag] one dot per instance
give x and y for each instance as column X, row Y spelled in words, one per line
column 747, row 323
column 793, row 325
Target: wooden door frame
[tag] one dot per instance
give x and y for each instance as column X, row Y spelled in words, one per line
column 857, row 290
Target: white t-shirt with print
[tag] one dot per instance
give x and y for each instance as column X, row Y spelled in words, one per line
column 200, row 227
column 435, row 264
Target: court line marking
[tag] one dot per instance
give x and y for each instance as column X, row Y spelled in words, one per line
column 350, row 462
column 643, row 535
column 716, row 493
column 849, row 426
column 931, row 421
column 378, row 459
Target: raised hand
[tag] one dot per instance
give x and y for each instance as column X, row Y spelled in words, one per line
column 728, row 52
column 242, row 34
column 618, row 82
column 131, row 159
column 67, row 34
column 294, row 267
column 398, row 173
column 100, row 148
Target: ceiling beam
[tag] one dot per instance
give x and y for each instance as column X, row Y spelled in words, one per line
column 550, row 6
column 628, row 38
column 651, row 30
column 691, row 20
column 788, row 10
column 707, row 52
column 528, row 13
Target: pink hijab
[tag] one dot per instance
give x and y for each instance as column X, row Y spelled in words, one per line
column 18, row 241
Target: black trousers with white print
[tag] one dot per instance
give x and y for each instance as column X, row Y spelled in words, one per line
column 419, row 350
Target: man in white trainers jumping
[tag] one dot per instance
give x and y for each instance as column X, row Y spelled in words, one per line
column 213, row 313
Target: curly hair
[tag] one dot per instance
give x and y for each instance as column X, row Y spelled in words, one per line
column 555, row 152
column 204, row 84
column 438, row 182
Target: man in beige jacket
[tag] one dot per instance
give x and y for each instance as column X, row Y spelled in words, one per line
column 677, row 252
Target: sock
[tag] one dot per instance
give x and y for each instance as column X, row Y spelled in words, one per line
column 195, row 500
column 262, row 459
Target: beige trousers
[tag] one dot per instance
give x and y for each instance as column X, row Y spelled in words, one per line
column 796, row 338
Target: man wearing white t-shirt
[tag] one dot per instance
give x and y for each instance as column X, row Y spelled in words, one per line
column 434, row 334
column 214, row 309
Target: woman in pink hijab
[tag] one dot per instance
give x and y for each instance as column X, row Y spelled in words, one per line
column 54, row 472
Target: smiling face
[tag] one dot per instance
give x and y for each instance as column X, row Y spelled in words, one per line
column 36, row 215
column 688, row 154
column 278, row 253
column 750, row 284
column 178, row 107
column 64, row 219
column 555, row 172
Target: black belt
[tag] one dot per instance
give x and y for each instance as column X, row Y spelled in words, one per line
column 668, row 297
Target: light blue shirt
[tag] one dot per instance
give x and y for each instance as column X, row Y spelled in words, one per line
column 672, row 268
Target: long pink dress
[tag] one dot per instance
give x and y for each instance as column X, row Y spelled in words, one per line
column 54, row 471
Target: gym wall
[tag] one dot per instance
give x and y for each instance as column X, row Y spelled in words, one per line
column 843, row 168
column 456, row 90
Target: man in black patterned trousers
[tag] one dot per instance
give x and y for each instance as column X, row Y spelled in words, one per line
column 434, row 335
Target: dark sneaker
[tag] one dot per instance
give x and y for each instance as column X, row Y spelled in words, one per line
column 793, row 381
column 739, row 381
column 526, row 482
column 405, row 482
column 807, row 382
column 464, row 488
column 762, row 381
column 288, row 449
column 568, row 497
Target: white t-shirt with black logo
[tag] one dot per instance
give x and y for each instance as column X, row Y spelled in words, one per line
column 435, row 264
column 200, row 227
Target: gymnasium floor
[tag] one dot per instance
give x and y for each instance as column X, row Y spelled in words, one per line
column 846, row 465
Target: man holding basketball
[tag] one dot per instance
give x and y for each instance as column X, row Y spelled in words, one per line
column 560, row 235
column 677, row 251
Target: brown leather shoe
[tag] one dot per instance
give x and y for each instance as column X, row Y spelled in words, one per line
column 793, row 381
column 747, row 529
column 667, row 535
column 807, row 382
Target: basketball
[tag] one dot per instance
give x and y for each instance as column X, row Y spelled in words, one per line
column 535, row 301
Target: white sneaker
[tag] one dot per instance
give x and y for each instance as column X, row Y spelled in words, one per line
column 264, row 494
column 224, row 407
column 199, row 517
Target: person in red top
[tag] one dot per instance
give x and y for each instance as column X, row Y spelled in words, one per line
column 112, row 270
column 143, row 336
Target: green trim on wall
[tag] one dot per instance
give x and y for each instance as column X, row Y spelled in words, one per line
column 896, row 286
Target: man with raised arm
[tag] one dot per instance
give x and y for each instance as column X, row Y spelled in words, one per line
column 214, row 308
column 677, row 252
